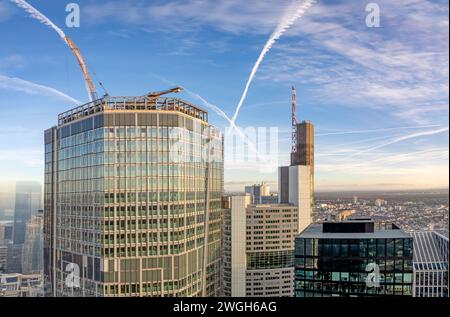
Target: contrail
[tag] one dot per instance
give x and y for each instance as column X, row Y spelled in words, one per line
column 377, row 130
column 241, row 135
column 32, row 88
column 34, row 13
column 40, row 17
column 400, row 139
column 219, row 111
column 286, row 22
column 216, row 109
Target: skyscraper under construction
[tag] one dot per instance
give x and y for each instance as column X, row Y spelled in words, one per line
column 133, row 189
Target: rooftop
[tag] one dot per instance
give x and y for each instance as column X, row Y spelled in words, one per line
column 380, row 231
column 136, row 103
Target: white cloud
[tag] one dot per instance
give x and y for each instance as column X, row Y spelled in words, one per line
column 14, row 61
column 232, row 16
column 401, row 68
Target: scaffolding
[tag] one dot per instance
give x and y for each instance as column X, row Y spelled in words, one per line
column 143, row 103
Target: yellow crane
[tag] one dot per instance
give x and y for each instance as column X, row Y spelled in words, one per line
column 90, row 84
column 87, row 77
column 154, row 95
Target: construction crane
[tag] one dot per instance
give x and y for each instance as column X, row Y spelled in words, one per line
column 294, row 120
column 87, row 77
column 154, row 95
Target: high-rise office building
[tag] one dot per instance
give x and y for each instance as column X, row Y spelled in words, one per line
column 28, row 202
column 258, row 249
column 32, row 253
column 14, row 260
column 133, row 189
column 304, row 146
column 258, row 191
column 3, row 255
column 296, row 182
column 430, row 264
column 6, row 230
column 353, row 258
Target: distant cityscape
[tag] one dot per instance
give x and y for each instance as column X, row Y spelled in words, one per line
column 411, row 210
column 121, row 215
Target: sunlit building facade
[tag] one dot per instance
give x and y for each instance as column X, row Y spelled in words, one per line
column 258, row 249
column 133, row 191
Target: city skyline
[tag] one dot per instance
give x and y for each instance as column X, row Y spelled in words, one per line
column 204, row 148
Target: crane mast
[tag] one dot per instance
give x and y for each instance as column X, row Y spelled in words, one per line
column 87, row 77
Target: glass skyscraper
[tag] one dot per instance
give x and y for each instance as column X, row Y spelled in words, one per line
column 133, row 189
column 28, row 202
column 354, row 258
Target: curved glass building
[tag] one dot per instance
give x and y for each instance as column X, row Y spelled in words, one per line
column 133, row 189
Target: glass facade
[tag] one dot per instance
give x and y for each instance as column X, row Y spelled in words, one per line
column 343, row 267
column 131, row 206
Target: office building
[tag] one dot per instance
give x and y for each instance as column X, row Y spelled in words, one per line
column 32, row 253
column 258, row 249
column 28, row 202
column 20, row 285
column 6, row 230
column 133, row 189
column 341, row 215
column 3, row 255
column 353, row 258
column 258, row 191
column 296, row 182
column 14, row 258
column 304, row 146
column 269, row 200
column 430, row 264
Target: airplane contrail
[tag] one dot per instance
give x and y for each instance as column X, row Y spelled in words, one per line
column 40, row 17
column 377, row 130
column 219, row 111
column 18, row 84
column 400, row 139
column 34, row 13
column 286, row 22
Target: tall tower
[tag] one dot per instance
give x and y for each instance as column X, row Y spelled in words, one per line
column 296, row 182
column 133, row 189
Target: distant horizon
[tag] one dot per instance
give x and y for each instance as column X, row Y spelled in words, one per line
column 11, row 185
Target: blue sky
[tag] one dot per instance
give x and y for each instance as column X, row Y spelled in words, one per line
column 378, row 96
